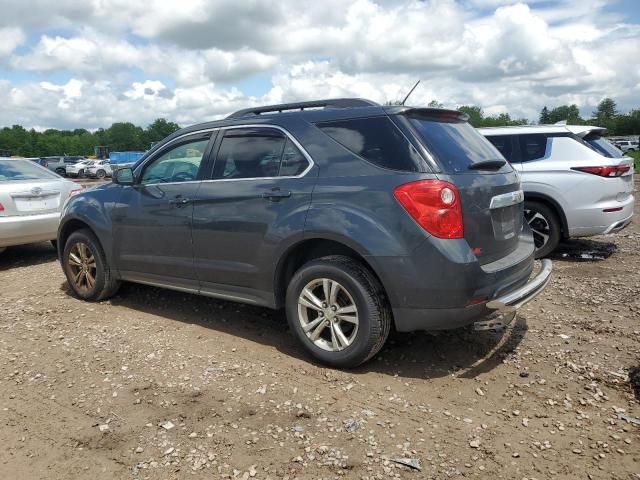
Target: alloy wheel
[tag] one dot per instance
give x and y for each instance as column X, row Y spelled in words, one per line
column 539, row 226
column 82, row 264
column 328, row 314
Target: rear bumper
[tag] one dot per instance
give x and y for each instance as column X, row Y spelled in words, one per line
column 413, row 319
column 19, row 230
column 594, row 221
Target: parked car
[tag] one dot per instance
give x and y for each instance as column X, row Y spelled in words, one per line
column 59, row 164
column 100, row 169
column 79, row 169
column 31, row 198
column 627, row 145
column 576, row 184
column 352, row 215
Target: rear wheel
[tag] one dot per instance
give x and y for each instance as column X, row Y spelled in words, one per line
column 101, row 174
column 545, row 226
column 61, row 171
column 338, row 310
column 86, row 268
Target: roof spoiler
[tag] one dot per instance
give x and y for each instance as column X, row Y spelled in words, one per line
column 288, row 107
column 442, row 113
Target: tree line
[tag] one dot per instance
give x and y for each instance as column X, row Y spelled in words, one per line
column 125, row 136
column 120, row 136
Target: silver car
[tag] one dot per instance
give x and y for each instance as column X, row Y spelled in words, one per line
column 31, row 198
column 576, row 183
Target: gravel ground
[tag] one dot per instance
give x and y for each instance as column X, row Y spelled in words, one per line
column 163, row 385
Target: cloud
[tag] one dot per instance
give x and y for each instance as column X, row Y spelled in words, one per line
column 90, row 63
column 10, row 38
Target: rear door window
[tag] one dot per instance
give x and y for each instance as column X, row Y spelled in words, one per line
column 258, row 153
column 504, row 144
column 532, row 146
column 455, row 143
column 377, row 140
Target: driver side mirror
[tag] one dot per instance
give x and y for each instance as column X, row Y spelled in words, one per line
column 123, row 176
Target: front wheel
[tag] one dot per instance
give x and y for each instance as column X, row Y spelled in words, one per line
column 86, row 268
column 545, row 226
column 338, row 310
column 101, row 174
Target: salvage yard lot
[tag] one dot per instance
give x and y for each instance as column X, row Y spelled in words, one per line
column 158, row 384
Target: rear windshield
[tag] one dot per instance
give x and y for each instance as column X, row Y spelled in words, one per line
column 23, row 170
column 455, row 143
column 603, row 146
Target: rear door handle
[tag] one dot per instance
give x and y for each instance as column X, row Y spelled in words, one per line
column 276, row 194
column 180, row 202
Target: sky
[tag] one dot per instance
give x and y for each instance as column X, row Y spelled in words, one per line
column 88, row 63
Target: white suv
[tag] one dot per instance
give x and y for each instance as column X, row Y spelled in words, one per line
column 576, row 183
column 627, row 145
column 100, row 169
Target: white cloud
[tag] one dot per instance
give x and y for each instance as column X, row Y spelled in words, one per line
column 124, row 60
column 10, row 38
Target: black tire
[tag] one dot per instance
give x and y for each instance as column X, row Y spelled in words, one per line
column 373, row 311
column 101, row 174
column 104, row 285
column 543, row 221
column 61, row 171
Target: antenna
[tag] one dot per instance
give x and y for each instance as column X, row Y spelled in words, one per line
column 410, row 92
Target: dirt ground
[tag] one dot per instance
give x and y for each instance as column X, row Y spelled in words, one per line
column 163, row 385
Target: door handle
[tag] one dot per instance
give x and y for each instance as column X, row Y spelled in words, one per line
column 180, row 202
column 276, row 194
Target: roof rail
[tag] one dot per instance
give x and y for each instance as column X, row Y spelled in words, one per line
column 283, row 107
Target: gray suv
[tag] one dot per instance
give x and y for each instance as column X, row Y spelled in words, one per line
column 354, row 217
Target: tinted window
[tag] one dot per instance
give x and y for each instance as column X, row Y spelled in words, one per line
column 603, row 147
column 22, row 170
column 248, row 153
column 180, row 164
column 455, row 144
column 504, row 145
column 532, row 146
column 293, row 162
column 377, row 140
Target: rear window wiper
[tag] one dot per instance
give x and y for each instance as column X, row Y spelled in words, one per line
column 488, row 165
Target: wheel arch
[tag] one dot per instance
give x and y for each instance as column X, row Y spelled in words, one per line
column 67, row 228
column 309, row 249
column 550, row 202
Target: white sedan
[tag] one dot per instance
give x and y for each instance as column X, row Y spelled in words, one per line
column 31, row 198
column 79, row 169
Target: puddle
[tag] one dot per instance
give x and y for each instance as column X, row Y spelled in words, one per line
column 584, row 250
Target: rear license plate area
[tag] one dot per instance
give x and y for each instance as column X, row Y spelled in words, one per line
column 506, row 221
column 36, row 204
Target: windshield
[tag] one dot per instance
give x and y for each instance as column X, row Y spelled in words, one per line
column 456, row 145
column 603, row 146
column 23, row 170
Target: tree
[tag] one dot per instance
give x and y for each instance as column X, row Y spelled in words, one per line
column 544, row 116
column 159, row 129
column 606, row 110
column 435, row 104
column 125, row 136
column 475, row 114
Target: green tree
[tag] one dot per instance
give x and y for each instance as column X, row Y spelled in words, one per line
column 544, row 116
column 474, row 113
column 159, row 129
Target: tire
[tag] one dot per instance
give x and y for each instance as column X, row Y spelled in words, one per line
column 101, row 174
column 545, row 225
column 61, row 171
column 357, row 286
column 104, row 285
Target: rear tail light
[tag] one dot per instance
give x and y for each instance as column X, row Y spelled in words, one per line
column 1, row 208
column 73, row 192
column 434, row 205
column 607, row 171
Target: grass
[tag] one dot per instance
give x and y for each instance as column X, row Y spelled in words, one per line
column 636, row 160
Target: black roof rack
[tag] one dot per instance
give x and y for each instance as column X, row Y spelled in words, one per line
column 284, row 107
